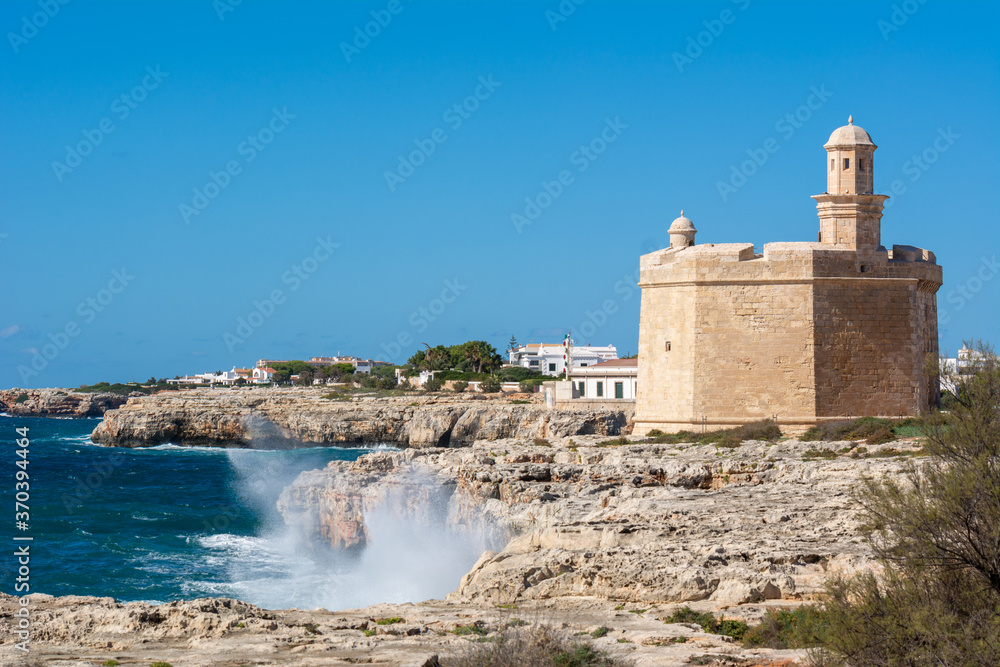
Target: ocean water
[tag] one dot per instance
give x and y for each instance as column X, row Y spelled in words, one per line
column 168, row 522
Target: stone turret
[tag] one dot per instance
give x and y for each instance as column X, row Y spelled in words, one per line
column 850, row 213
column 682, row 232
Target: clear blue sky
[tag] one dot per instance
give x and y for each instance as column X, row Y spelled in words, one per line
column 189, row 88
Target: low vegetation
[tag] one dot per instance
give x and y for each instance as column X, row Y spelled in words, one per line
column 127, row 388
column 805, row 627
column 872, row 430
column 766, row 430
column 935, row 530
column 535, row 645
column 709, row 623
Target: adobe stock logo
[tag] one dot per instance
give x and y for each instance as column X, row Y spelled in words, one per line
column 37, row 21
column 122, row 107
column 294, row 277
column 421, row 318
column 88, row 310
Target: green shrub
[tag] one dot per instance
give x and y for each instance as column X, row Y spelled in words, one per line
column 490, row 385
column 433, row 384
column 935, row 530
column 476, row 628
column 109, row 663
column 765, row 430
column 460, row 386
column 709, row 623
column 872, row 430
column 813, row 453
column 600, row 632
column 389, row 621
column 21, row 398
column 805, row 627
column 160, row 664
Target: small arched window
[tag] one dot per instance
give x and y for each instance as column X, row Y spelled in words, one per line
column 833, row 164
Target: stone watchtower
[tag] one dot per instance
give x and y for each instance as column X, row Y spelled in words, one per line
column 803, row 332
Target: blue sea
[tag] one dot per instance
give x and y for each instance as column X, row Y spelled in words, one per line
column 169, row 522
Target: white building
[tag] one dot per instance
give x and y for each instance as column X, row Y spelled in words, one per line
column 360, row 365
column 959, row 368
column 608, row 380
column 263, row 375
column 549, row 360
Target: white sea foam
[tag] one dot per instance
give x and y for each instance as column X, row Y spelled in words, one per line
column 408, row 558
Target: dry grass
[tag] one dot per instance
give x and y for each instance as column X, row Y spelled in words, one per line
column 536, row 645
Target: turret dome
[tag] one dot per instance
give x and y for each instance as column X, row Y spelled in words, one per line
column 682, row 232
column 849, row 135
column 682, row 224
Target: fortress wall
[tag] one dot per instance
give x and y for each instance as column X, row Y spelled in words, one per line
column 665, row 383
column 927, row 306
column 869, row 347
column 754, row 352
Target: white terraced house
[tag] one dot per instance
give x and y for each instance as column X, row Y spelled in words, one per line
column 548, row 358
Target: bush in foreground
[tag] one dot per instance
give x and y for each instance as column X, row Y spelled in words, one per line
column 936, row 531
column 532, row 646
column 805, row 627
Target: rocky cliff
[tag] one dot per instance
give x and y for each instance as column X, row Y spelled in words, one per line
column 277, row 418
column 57, row 403
column 642, row 523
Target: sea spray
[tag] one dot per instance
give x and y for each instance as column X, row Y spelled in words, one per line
column 408, row 546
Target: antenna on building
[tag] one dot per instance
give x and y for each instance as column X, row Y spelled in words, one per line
column 567, row 354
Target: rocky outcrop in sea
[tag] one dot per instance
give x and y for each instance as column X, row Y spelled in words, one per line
column 58, row 402
column 279, row 418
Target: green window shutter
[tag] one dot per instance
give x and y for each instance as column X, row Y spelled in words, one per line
column 600, row 389
column 619, row 390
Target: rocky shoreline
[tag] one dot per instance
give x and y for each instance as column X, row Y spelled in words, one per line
column 283, row 418
column 582, row 529
column 58, row 403
column 588, row 533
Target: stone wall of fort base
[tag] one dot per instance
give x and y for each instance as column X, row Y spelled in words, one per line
column 868, row 349
column 665, row 383
column 755, row 352
column 739, row 352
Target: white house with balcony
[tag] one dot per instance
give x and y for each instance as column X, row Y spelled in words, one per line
column 549, row 358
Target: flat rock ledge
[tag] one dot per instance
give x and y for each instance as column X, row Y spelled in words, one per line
column 282, row 418
column 76, row 631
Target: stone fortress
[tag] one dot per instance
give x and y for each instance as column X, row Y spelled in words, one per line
column 802, row 333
